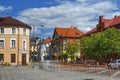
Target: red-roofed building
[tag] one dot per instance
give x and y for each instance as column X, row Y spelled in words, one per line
column 104, row 24
column 48, row 40
column 62, row 36
column 14, row 41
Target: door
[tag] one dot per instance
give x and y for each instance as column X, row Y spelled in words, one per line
column 23, row 59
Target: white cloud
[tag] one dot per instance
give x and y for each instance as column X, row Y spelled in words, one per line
column 48, row 33
column 3, row 8
column 82, row 14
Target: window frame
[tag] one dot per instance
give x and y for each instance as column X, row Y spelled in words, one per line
column 13, row 31
column 1, row 30
column 64, row 41
column 24, row 31
column 24, row 44
column 2, row 45
column 11, row 43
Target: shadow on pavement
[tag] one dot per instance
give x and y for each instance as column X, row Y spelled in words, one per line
column 88, row 79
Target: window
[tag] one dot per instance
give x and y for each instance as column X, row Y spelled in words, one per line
column 13, row 30
column 13, row 43
column 2, row 42
column 24, row 31
column 13, row 58
column 24, row 44
column 64, row 41
column 1, row 57
column 1, row 30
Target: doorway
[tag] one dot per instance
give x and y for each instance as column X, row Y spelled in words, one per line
column 23, row 59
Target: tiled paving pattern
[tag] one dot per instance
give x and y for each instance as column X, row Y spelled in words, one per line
column 28, row 73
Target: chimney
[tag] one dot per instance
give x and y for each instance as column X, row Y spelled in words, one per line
column 100, row 18
column 69, row 26
column 115, row 16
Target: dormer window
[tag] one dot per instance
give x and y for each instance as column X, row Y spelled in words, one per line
column 1, row 30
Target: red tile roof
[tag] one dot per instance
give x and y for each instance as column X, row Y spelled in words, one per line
column 105, row 23
column 68, row 32
column 48, row 40
column 91, row 31
column 9, row 21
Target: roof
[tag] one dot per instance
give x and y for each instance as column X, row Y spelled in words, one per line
column 106, row 23
column 91, row 31
column 9, row 21
column 68, row 32
column 48, row 40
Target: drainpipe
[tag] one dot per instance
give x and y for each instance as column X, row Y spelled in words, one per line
column 18, row 48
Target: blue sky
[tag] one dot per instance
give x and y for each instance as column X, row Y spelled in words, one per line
column 82, row 14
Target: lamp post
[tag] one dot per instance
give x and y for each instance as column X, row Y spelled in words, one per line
column 33, row 57
column 34, row 42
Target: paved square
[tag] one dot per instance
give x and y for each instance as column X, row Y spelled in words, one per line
column 28, row 73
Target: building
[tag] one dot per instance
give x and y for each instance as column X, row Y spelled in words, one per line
column 103, row 24
column 61, row 36
column 34, row 48
column 14, row 41
column 48, row 47
column 45, row 49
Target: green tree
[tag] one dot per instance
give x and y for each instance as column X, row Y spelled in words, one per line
column 63, row 56
column 71, row 49
column 101, row 44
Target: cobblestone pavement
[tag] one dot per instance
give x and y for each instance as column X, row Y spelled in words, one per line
column 28, row 73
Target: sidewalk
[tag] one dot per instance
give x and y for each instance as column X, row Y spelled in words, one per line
column 28, row 73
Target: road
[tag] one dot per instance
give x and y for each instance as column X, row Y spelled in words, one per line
column 28, row 73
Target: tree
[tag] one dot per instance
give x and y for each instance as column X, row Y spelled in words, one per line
column 101, row 44
column 63, row 56
column 71, row 49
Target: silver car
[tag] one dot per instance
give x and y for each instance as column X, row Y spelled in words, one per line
column 114, row 64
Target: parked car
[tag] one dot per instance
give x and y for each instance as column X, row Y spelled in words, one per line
column 114, row 64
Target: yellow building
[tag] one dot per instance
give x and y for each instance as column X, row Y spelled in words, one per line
column 14, row 41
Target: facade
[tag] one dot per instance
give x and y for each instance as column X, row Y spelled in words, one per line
column 103, row 24
column 14, row 41
column 61, row 36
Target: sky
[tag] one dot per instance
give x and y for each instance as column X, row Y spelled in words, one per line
column 45, row 15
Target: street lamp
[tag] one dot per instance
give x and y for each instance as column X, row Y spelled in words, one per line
column 34, row 42
column 33, row 57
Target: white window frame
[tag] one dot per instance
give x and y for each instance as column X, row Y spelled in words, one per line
column 64, row 41
column 24, row 31
column 3, row 44
column 11, row 45
column 24, row 45
column 13, row 31
column 1, row 30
